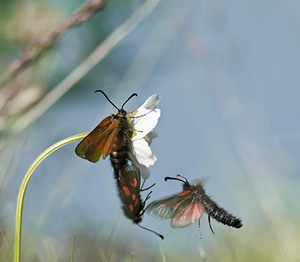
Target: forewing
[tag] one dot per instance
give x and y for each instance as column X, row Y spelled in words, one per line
column 128, row 182
column 189, row 212
column 114, row 141
column 107, row 141
column 165, row 208
column 92, row 137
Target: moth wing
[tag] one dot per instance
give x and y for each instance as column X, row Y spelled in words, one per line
column 130, row 176
column 189, row 212
column 128, row 182
column 95, row 150
column 82, row 147
column 198, row 181
column 165, row 208
column 107, row 141
column 114, row 142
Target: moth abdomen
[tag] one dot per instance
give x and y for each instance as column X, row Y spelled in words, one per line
column 119, row 159
column 227, row 219
column 221, row 215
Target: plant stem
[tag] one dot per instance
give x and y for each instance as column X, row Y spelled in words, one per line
column 22, row 190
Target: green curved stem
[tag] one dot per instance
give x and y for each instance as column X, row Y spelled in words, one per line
column 22, row 190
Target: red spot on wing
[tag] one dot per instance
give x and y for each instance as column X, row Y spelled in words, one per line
column 134, row 182
column 122, row 193
column 184, row 193
column 136, row 204
column 133, row 197
column 126, row 191
column 131, row 208
column 175, row 206
column 163, row 203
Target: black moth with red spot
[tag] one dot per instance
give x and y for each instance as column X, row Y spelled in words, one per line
column 112, row 137
column 129, row 182
column 188, row 206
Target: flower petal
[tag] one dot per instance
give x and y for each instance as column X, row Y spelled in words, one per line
column 143, row 120
column 145, row 123
column 143, row 153
column 151, row 103
column 151, row 135
column 143, row 171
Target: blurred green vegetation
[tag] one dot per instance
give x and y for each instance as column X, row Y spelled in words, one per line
column 267, row 199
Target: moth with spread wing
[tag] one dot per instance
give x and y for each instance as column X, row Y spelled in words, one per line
column 117, row 136
column 109, row 135
column 124, row 136
column 188, row 206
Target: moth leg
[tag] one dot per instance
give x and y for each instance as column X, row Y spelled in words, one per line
column 132, row 128
column 135, row 111
column 143, row 184
column 210, row 224
column 144, row 189
column 199, row 233
column 147, row 197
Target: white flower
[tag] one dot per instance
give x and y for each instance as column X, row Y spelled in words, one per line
column 146, row 118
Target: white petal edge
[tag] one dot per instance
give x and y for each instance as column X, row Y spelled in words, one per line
column 143, row 170
column 151, row 103
column 143, row 153
column 145, row 123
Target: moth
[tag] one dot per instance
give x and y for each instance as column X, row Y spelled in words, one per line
column 129, row 187
column 188, row 206
column 110, row 135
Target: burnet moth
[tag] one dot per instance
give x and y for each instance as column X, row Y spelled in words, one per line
column 112, row 137
column 187, row 207
column 109, row 136
column 129, row 185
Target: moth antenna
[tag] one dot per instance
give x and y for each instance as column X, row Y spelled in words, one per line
column 199, row 232
column 134, row 94
column 159, row 235
column 176, row 178
column 96, row 91
column 182, row 177
column 210, row 224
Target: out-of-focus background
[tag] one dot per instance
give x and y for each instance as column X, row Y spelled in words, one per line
column 228, row 75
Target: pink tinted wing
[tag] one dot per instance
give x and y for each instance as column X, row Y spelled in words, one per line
column 165, row 208
column 188, row 213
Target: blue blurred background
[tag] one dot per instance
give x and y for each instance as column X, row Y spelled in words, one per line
column 228, row 75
